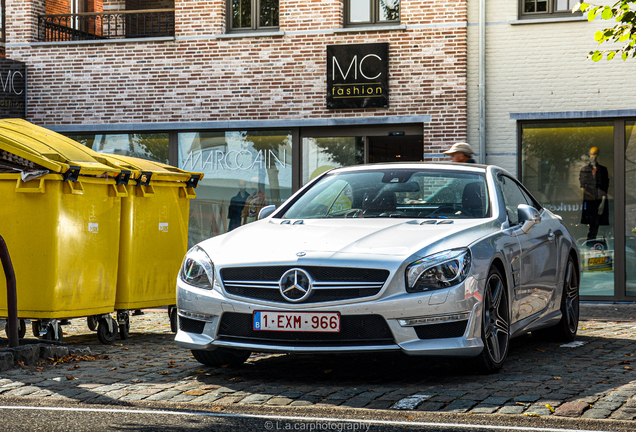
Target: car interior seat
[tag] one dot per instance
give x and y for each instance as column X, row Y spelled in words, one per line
column 384, row 201
column 472, row 199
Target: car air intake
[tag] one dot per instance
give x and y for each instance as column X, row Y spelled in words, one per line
column 355, row 330
column 441, row 330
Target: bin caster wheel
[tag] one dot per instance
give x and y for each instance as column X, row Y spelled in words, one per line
column 124, row 330
column 21, row 329
column 174, row 320
column 51, row 330
column 91, row 321
column 107, row 330
column 35, row 327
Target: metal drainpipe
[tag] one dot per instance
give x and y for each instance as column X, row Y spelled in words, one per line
column 12, row 299
column 482, row 81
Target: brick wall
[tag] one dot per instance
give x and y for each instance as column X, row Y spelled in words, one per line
column 199, row 77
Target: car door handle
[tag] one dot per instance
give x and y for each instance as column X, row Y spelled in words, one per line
column 551, row 236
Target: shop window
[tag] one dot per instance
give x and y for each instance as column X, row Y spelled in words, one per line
column 366, row 12
column 630, row 208
column 244, row 171
column 546, row 8
column 569, row 168
column 246, row 15
column 151, row 146
column 323, row 154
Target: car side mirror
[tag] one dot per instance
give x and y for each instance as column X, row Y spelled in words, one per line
column 266, row 211
column 528, row 217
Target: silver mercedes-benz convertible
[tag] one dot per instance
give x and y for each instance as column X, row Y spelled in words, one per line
column 435, row 259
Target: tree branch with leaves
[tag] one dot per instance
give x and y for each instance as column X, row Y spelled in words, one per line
column 623, row 13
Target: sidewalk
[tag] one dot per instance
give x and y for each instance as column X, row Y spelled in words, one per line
column 591, row 378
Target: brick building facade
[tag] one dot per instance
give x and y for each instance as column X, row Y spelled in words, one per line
column 244, row 105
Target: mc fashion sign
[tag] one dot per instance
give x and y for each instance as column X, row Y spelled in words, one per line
column 358, row 76
column 12, row 89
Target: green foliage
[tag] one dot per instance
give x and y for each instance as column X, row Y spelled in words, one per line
column 623, row 13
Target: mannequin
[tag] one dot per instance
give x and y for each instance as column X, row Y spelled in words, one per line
column 594, row 181
column 237, row 203
column 254, row 203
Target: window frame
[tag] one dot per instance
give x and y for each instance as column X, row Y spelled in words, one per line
column 530, row 200
column 375, row 15
column 3, row 27
column 550, row 13
column 256, row 18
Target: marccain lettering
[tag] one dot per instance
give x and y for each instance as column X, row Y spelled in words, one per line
column 233, row 160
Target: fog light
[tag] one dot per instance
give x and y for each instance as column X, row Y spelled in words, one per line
column 410, row 322
column 199, row 316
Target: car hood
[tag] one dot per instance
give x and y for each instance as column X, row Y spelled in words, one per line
column 270, row 241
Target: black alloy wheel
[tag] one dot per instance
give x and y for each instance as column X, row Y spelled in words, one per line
column 570, row 301
column 495, row 323
column 565, row 330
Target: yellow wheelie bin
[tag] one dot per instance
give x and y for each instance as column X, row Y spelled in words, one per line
column 60, row 218
column 154, row 236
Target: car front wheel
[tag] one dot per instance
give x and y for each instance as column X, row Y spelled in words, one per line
column 495, row 324
column 221, row 356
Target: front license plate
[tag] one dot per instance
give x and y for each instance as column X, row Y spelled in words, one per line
column 598, row 261
column 297, row 321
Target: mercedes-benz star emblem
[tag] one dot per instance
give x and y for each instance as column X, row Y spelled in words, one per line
column 300, row 254
column 295, row 285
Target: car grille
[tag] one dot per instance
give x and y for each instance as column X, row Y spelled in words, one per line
column 330, row 283
column 355, row 330
column 441, row 330
column 190, row 325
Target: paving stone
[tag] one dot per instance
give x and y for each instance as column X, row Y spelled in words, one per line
column 484, row 409
column 511, row 409
column 182, row 398
column 495, row 401
column 527, row 398
column 431, row 406
column 301, row 403
column 596, row 414
column 279, row 401
column 164, row 395
column 256, row 399
column 460, row 405
column 571, row 409
column 624, row 414
column 603, row 404
column 22, row 391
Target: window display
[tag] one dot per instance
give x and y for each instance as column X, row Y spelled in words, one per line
column 569, row 168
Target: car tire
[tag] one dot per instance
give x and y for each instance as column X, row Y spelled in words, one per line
column 566, row 329
column 495, row 324
column 221, row 356
column 174, row 319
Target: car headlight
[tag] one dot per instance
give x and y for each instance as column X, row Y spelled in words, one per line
column 438, row 271
column 197, row 269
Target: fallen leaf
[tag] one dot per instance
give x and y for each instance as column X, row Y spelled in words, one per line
column 628, row 367
column 521, row 403
column 164, row 373
column 199, row 371
column 135, row 380
column 112, row 369
column 70, row 377
column 531, row 414
column 540, row 350
column 327, row 371
column 557, row 378
column 548, row 406
column 235, row 379
column 216, row 408
column 410, row 418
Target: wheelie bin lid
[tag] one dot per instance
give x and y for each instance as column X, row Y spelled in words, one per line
column 51, row 150
column 146, row 170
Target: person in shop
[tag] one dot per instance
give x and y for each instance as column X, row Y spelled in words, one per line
column 237, row 203
column 461, row 152
column 594, row 180
column 254, row 203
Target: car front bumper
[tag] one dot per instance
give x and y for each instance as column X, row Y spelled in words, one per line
column 200, row 313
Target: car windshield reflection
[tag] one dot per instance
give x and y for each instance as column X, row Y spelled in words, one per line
column 404, row 193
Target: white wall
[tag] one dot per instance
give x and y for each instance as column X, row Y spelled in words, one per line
column 537, row 67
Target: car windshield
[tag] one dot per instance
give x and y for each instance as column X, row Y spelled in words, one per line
column 407, row 193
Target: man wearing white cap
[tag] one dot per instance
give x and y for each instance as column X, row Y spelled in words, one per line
column 461, row 152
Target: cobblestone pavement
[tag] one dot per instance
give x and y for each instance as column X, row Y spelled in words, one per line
column 592, row 378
